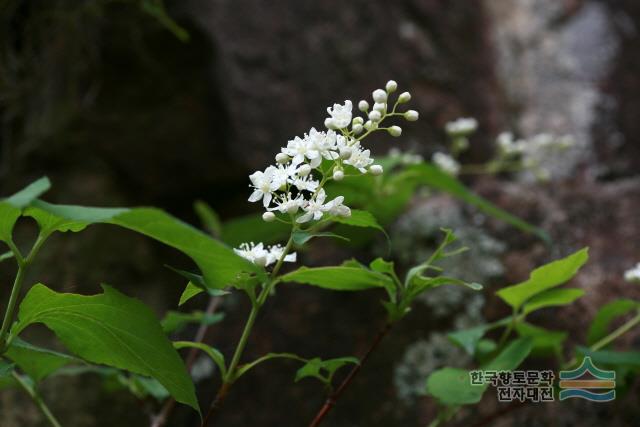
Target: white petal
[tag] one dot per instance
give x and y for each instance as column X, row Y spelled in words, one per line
column 255, row 196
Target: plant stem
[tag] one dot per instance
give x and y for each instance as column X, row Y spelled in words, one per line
column 23, row 265
column 626, row 327
column 37, row 399
column 333, row 397
column 228, row 380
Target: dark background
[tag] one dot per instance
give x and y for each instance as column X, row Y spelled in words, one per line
column 118, row 111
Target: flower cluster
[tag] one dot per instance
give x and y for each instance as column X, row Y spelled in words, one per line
column 292, row 189
column 263, row 256
column 633, row 274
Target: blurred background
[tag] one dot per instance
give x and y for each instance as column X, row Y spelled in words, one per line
column 128, row 103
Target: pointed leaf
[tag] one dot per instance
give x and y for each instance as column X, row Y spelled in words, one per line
column 110, row 329
column 338, row 278
column 35, row 361
column 552, row 298
column 300, row 237
column 543, row 278
column 31, row 192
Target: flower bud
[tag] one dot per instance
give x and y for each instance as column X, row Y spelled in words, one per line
column 374, row 115
column 411, row 115
column 304, row 170
column 282, row 158
column 357, row 129
column 370, row 125
column 269, row 216
column 379, row 95
column 363, row 106
column 404, row 97
column 380, row 106
column 395, row 131
column 358, row 120
column 375, row 169
column 391, row 86
column 338, row 175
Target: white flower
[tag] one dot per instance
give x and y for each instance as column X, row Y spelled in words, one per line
column 306, row 184
column 300, row 149
column 633, row 275
column 324, row 143
column 259, row 255
column 251, row 251
column 461, row 127
column 507, row 145
column 314, row 208
column 263, row 186
column 446, row 163
column 359, row 158
column 281, row 175
column 338, row 175
column 363, row 105
column 287, row 204
column 340, row 115
column 275, row 253
column 336, row 208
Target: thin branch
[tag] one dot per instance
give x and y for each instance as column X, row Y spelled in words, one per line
column 333, row 397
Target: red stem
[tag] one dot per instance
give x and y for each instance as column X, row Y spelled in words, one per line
column 333, row 397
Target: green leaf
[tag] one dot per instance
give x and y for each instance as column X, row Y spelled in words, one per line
column 323, row 369
column 468, row 338
column 300, row 237
column 9, row 214
column 145, row 386
column 543, row 340
column 612, row 358
column 552, row 298
column 214, row 354
column 189, row 292
column 433, row 177
column 248, row 366
column 252, row 228
column 382, row 266
column 452, row 386
column 359, row 218
column 5, row 256
column 31, row 192
column 111, row 329
column 218, row 263
column 175, row 320
column 5, row 369
column 208, row 217
column 338, row 278
column 608, row 313
column 35, row 361
column 543, row 278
